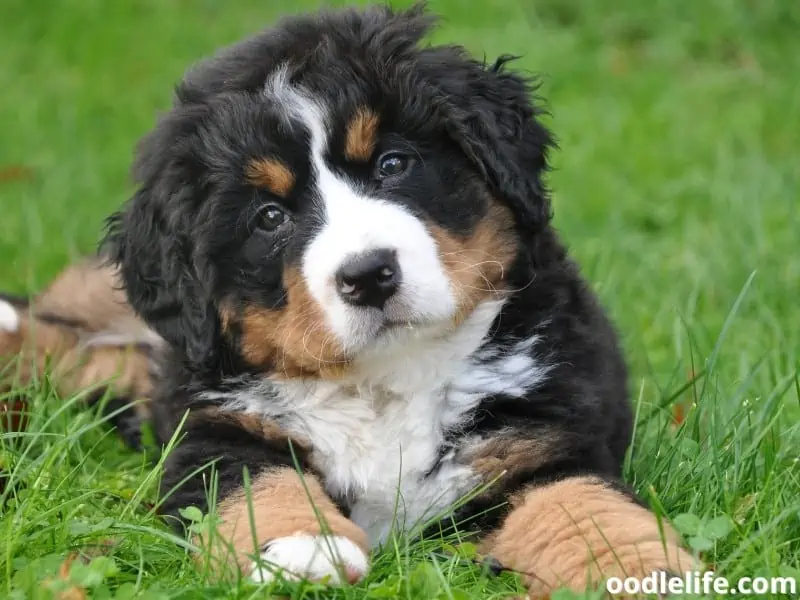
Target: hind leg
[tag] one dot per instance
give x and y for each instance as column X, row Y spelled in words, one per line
column 83, row 334
column 30, row 342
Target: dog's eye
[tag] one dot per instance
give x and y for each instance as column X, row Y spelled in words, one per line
column 392, row 164
column 272, row 217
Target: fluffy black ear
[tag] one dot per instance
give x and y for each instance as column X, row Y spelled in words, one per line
column 492, row 117
column 150, row 240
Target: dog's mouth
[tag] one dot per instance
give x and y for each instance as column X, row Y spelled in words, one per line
column 400, row 317
column 392, row 331
column 389, row 327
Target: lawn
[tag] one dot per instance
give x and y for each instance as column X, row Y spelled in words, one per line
column 677, row 185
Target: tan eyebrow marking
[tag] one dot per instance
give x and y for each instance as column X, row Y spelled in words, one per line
column 272, row 174
column 362, row 135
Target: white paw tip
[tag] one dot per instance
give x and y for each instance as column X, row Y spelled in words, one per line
column 334, row 559
column 9, row 318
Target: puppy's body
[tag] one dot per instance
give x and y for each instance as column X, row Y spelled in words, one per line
column 344, row 241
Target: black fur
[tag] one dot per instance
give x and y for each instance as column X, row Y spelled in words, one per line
column 186, row 244
column 16, row 300
column 120, row 413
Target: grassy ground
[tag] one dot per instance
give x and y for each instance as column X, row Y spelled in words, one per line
column 676, row 186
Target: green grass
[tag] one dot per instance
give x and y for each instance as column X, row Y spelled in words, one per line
column 677, row 187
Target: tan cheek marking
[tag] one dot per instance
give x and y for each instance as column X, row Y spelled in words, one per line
column 361, row 136
column 477, row 265
column 281, row 507
column 578, row 532
column 295, row 338
column 271, row 174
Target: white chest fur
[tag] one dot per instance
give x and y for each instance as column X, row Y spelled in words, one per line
column 376, row 448
column 376, row 437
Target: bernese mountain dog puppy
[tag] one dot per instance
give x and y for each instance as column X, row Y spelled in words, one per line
column 341, row 262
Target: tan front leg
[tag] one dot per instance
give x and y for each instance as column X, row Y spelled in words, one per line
column 293, row 525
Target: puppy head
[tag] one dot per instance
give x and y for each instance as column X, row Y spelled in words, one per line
column 326, row 188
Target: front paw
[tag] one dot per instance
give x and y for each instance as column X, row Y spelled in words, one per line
column 319, row 558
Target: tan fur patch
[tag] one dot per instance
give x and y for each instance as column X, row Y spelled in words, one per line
column 505, row 456
column 477, row 265
column 41, row 348
column 90, row 292
column 271, row 174
column 578, row 532
column 35, row 344
column 281, row 507
column 124, row 370
column 361, row 136
column 227, row 316
column 87, row 297
column 258, row 426
column 295, row 339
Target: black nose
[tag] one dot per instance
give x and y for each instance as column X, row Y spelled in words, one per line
column 369, row 279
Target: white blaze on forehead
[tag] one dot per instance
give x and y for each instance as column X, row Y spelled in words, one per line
column 355, row 223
